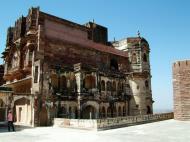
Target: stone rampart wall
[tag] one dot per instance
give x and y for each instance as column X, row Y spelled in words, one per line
column 110, row 123
column 181, row 89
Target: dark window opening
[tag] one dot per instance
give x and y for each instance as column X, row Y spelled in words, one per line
column 102, row 85
column 149, row 110
column 144, row 58
column 109, row 86
column 146, row 84
column 137, row 87
column 63, row 83
column 114, row 86
column 124, row 111
column 134, row 58
column 36, row 74
column 113, row 64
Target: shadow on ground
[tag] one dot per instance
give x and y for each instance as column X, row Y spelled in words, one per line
column 4, row 128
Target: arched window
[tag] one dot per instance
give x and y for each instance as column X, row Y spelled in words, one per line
column 149, row 111
column 89, row 82
column 70, row 112
column 16, row 59
column 76, row 112
column 71, row 84
column 63, row 83
column 109, row 112
column 103, row 112
column 138, row 87
column 54, row 81
column 113, row 64
column 124, row 111
column 28, row 57
column 120, row 86
column 103, row 85
column 146, row 84
column 144, row 57
column 114, row 86
column 134, row 58
column 62, row 113
column 119, row 111
column 108, row 84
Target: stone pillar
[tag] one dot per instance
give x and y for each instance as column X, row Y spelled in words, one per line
column 36, row 110
column 79, row 82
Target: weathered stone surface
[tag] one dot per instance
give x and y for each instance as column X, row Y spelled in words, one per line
column 63, row 69
column 181, row 90
column 102, row 124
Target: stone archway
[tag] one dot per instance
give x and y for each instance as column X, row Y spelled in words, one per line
column 22, row 111
column 149, row 111
column 119, row 111
column 89, row 112
column 43, row 117
column 103, row 112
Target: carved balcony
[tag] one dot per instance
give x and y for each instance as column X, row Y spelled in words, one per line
column 8, row 77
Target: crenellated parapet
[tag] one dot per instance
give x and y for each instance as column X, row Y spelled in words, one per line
column 180, row 66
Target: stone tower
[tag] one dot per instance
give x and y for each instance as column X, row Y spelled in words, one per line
column 181, row 90
column 140, row 76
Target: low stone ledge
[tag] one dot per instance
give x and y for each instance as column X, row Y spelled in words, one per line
column 76, row 123
column 110, row 123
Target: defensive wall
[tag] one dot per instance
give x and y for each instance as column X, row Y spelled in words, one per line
column 181, row 89
column 110, row 123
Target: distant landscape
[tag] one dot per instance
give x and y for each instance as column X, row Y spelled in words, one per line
column 162, row 110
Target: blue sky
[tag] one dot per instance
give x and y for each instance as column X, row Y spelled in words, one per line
column 164, row 23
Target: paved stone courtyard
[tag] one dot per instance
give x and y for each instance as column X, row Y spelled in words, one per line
column 164, row 131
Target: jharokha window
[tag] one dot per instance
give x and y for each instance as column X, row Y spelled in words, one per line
column 15, row 60
column 134, row 58
column 28, row 58
column 36, row 74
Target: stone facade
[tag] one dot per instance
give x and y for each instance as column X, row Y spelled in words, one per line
column 1, row 75
column 58, row 68
column 181, row 90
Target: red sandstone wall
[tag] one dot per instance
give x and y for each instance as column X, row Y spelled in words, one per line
column 181, row 88
column 68, row 45
column 77, row 36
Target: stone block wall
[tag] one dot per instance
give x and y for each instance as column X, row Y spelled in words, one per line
column 110, row 123
column 89, row 124
column 181, row 90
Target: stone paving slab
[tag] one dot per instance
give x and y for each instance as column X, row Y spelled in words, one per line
column 163, row 131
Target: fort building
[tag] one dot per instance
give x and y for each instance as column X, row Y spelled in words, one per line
column 60, row 69
column 181, row 89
